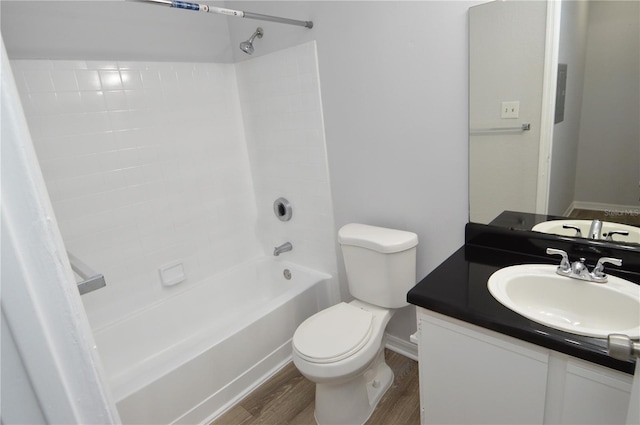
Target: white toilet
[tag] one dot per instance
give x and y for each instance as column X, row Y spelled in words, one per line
column 340, row 348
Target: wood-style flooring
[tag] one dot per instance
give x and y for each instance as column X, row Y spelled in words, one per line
column 288, row 398
column 630, row 217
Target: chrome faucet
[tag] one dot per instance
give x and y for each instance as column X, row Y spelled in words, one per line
column 282, row 248
column 578, row 269
column 595, row 230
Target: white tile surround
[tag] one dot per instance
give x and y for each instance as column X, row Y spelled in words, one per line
column 149, row 163
column 284, row 129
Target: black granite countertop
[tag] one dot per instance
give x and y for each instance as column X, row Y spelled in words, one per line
column 458, row 288
column 521, row 220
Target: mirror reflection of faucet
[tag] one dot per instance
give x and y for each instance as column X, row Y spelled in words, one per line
column 595, row 230
column 576, row 228
column 282, row 248
column 590, row 229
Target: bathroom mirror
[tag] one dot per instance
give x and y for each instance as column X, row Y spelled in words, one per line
column 585, row 165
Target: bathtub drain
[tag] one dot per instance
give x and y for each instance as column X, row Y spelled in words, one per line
column 287, row 274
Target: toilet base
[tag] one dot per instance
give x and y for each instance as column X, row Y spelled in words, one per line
column 353, row 400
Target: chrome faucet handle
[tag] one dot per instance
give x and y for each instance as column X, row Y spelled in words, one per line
column 565, row 265
column 576, row 228
column 597, row 272
column 616, row 232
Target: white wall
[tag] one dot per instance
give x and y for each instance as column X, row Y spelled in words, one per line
column 394, row 94
column 566, row 134
column 595, row 160
column 394, row 84
column 609, row 153
column 506, row 64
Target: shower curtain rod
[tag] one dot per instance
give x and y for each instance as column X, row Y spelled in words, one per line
column 230, row 12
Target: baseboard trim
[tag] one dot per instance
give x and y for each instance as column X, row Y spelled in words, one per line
column 400, row 346
column 599, row 206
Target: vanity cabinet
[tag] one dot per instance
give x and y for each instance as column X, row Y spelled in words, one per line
column 593, row 394
column 472, row 375
column 469, row 375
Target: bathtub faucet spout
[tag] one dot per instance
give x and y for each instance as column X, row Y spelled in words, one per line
column 282, row 248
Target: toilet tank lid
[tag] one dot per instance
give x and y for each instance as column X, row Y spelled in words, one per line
column 378, row 239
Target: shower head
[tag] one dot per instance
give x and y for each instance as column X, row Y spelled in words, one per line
column 247, row 46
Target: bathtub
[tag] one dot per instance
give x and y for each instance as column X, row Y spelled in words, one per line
column 190, row 357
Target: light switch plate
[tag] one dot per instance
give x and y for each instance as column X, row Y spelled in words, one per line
column 510, row 109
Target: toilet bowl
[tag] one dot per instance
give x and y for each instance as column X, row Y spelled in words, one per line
column 341, row 348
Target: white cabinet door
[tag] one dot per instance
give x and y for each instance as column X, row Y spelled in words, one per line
column 594, row 394
column 469, row 375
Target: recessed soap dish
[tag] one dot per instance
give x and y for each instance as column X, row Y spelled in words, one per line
column 172, row 274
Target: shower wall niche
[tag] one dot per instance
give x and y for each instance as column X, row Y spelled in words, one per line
column 152, row 163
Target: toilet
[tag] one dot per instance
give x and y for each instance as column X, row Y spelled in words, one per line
column 341, row 348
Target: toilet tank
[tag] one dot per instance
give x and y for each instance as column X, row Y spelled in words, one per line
column 380, row 263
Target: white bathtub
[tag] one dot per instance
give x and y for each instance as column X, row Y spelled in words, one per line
column 187, row 359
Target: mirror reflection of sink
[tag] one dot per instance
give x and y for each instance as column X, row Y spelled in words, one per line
column 585, row 308
column 555, row 227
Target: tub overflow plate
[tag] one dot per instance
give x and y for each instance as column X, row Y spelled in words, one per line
column 282, row 209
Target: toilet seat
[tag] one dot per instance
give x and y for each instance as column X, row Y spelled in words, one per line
column 323, row 337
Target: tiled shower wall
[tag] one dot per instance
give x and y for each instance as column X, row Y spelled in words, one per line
column 146, row 165
column 282, row 111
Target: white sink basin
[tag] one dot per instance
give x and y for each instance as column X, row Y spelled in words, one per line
column 555, row 227
column 576, row 306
